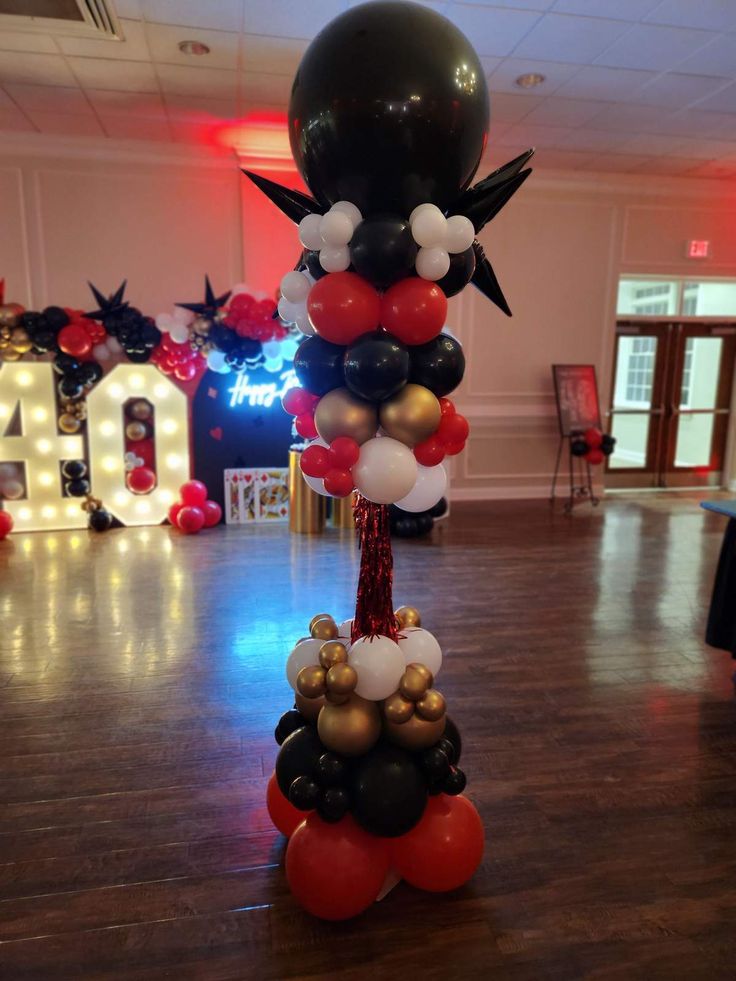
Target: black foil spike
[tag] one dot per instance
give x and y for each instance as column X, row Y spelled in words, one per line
column 294, row 204
column 107, row 305
column 485, row 280
column 211, row 303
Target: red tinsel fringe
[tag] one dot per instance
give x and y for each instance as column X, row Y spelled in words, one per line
column 374, row 612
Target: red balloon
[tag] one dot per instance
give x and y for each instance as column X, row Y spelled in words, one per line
column 344, row 452
column 443, row 851
column 430, row 452
column 297, row 401
column 305, row 426
column 141, row 480
column 452, row 449
column 595, row 456
column 193, row 492
column 144, row 449
column 447, row 408
column 315, row 461
column 453, row 429
column 593, row 437
column 74, row 340
column 174, row 513
column 342, row 306
column 285, row 816
column 413, row 310
column 6, row 524
column 185, row 371
column 190, row 519
column 212, row 514
column 335, row 871
column 339, row 483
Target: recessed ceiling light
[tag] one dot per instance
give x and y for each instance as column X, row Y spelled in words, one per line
column 530, row 80
column 193, row 48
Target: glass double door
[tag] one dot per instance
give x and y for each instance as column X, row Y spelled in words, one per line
column 670, row 405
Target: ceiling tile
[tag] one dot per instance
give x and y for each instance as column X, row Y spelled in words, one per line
column 164, row 39
column 673, row 165
column 693, row 122
column 618, row 9
column 219, row 15
column 189, row 109
column 13, row 119
column 66, row 124
column 626, row 118
column 129, row 8
column 41, row 69
column 608, row 84
column 715, row 168
column 511, row 108
column 558, row 111
column 651, row 47
column 145, row 105
column 269, row 89
column 14, row 41
column 130, row 128
column 710, row 15
column 122, row 76
column 493, row 31
column 721, row 101
column 540, row 5
column 275, row 55
column 209, row 82
column 709, row 149
column 585, row 138
column 46, row 98
column 561, row 159
column 717, row 58
column 651, row 144
column 675, row 90
column 503, row 79
column 533, row 135
column 558, row 37
column 192, row 133
column 285, row 18
column 133, row 47
column 616, row 163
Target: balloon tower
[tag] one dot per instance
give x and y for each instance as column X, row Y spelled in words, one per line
column 388, row 122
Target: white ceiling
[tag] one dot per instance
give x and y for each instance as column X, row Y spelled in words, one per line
column 631, row 85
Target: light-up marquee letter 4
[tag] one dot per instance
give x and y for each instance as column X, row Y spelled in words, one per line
column 29, row 389
column 106, row 436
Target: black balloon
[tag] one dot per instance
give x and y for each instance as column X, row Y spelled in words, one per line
column 462, row 267
column 65, row 364
column 330, row 770
column 318, row 365
column 56, row 317
column 297, row 757
column 383, row 250
column 578, row 447
column 389, row 791
column 100, row 520
column 454, row 783
column 288, row 723
column 376, row 366
column 440, row 508
column 452, row 735
column 304, row 793
column 70, row 388
column 407, row 527
column 310, row 259
column 435, row 763
column 78, row 488
column 389, row 109
column 439, row 365
column 425, row 523
column 333, row 804
column 74, row 469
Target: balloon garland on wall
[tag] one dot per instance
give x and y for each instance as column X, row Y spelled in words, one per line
column 366, row 784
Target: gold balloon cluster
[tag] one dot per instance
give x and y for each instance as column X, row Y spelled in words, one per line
column 339, row 413
column 415, row 715
column 14, row 339
column 408, row 616
column 412, row 415
column 72, row 416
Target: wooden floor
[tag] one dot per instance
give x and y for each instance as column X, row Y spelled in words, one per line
column 141, row 674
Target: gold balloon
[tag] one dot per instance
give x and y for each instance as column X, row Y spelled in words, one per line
column 141, row 410
column 408, row 616
column 352, row 728
column 69, row 423
column 432, row 705
column 318, row 616
column 324, row 629
column 412, row 415
column 332, row 652
column 10, row 314
column 201, row 326
column 10, row 354
column 335, row 698
column 136, row 431
column 413, row 684
column 424, row 671
column 398, row 709
column 309, row 707
column 20, row 340
column 310, row 681
column 341, row 679
column 339, row 413
column 415, row 733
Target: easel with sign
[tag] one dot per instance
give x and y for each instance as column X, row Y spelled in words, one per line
column 578, row 409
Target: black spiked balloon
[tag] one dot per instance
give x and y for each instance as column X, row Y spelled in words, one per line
column 293, row 204
column 485, row 280
column 211, row 303
column 498, row 176
column 108, row 305
column 491, row 201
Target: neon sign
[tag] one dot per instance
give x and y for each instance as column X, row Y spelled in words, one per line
column 261, row 394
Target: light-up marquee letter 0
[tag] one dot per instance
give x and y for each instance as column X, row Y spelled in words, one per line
column 106, row 436
column 29, row 388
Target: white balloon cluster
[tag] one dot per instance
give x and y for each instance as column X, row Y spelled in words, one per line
column 176, row 324
column 330, row 235
column 132, row 461
column 438, row 237
column 378, row 661
column 107, row 349
column 295, row 287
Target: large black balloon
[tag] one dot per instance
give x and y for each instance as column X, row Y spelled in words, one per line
column 389, row 791
column 462, row 267
column 297, row 757
column 383, row 250
column 318, row 365
column 389, row 109
column 376, row 366
column 439, row 364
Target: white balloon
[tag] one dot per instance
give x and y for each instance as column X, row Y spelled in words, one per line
column 430, row 485
column 349, row 209
column 432, row 263
column 386, row 470
column 420, row 647
column 164, row 321
column 379, row 664
column 101, row 352
column 289, row 311
column 306, row 652
column 271, row 349
column 113, row 345
column 309, row 234
column 304, row 324
column 429, row 227
column 182, row 316
column 179, row 333
column 216, row 362
column 273, row 365
column 334, row 258
column 460, row 233
column 336, row 228
column 419, row 207
column 288, row 348
column 295, row 287
column 345, row 628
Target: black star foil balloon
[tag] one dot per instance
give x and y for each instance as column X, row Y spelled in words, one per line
column 211, row 303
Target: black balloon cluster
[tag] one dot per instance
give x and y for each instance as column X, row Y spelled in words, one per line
column 240, row 352
column 44, row 329
column 385, row 790
column 76, row 483
column 408, row 524
column 76, row 375
column 136, row 333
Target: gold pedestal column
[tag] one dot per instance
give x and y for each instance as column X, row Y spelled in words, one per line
column 306, row 508
column 342, row 512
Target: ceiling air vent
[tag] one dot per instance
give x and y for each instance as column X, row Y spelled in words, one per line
column 79, row 18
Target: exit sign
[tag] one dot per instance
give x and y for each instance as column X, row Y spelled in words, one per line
column 698, row 248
